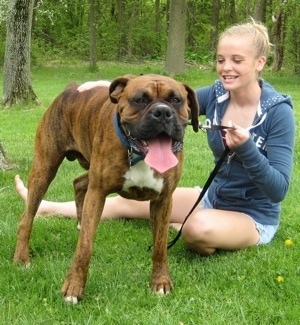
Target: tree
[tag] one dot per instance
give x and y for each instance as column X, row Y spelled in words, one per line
column 232, row 12
column 292, row 43
column 4, row 165
column 158, row 28
column 214, row 24
column 93, row 10
column 174, row 62
column 122, row 28
column 260, row 11
column 17, row 86
column 278, row 37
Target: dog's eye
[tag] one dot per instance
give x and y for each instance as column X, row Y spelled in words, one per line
column 141, row 101
column 175, row 100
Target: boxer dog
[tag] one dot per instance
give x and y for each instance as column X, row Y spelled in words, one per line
column 129, row 138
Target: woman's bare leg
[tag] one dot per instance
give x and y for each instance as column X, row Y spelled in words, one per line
column 117, row 207
column 205, row 231
column 209, row 229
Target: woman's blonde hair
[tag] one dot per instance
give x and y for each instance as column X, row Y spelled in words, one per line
column 256, row 31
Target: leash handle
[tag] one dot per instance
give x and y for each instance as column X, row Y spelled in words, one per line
column 204, row 190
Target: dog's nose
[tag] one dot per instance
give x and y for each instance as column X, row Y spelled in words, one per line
column 162, row 113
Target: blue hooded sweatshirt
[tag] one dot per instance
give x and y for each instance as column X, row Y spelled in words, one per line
column 255, row 178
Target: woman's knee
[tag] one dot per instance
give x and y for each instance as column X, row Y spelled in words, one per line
column 197, row 228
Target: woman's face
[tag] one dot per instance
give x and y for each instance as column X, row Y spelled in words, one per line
column 237, row 65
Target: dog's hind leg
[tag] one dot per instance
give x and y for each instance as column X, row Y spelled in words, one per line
column 80, row 185
column 40, row 177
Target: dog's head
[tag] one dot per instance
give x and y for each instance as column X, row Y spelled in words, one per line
column 154, row 109
column 152, row 104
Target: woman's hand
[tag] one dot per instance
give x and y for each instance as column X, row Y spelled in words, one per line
column 91, row 84
column 236, row 136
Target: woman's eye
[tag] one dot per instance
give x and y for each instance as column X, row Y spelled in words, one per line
column 220, row 61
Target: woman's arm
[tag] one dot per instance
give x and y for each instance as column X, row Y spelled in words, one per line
column 272, row 174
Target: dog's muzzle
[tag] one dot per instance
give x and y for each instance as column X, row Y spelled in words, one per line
column 162, row 113
column 158, row 151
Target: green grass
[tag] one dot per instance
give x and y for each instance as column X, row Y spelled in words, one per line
column 227, row 288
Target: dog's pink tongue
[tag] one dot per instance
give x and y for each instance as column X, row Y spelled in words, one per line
column 160, row 155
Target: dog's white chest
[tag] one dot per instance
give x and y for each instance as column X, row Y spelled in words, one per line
column 142, row 175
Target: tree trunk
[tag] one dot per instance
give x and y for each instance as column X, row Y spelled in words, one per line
column 4, row 165
column 260, row 11
column 214, row 24
column 121, row 5
column 158, row 28
column 93, row 34
column 17, row 86
column 130, row 31
column 232, row 12
column 176, row 38
column 278, row 40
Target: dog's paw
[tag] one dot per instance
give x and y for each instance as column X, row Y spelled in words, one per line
column 163, row 286
column 71, row 300
column 22, row 257
column 72, row 291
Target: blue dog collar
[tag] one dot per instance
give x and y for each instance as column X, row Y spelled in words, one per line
column 134, row 154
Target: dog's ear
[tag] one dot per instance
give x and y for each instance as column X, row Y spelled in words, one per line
column 194, row 106
column 117, row 86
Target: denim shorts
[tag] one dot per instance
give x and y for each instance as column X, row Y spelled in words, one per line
column 266, row 232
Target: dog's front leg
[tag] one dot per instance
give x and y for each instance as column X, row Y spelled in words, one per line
column 160, row 211
column 73, row 287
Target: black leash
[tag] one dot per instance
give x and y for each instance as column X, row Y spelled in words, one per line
column 204, row 190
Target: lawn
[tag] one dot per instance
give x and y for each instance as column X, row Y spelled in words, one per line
column 259, row 285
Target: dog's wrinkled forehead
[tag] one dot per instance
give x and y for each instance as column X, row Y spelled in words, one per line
column 154, row 87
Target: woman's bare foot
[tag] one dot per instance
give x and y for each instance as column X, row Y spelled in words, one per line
column 20, row 188
column 47, row 208
column 23, row 192
column 175, row 226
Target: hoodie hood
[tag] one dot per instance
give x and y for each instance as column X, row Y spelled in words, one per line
column 269, row 96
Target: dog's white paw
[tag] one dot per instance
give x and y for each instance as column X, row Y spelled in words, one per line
column 163, row 292
column 71, row 300
column 78, row 226
column 162, row 286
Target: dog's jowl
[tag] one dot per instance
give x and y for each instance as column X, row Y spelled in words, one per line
column 129, row 137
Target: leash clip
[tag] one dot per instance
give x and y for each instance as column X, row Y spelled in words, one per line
column 214, row 127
